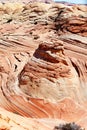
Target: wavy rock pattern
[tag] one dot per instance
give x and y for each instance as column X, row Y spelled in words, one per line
column 43, row 67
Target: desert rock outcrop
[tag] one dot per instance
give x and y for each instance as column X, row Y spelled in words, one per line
column 43, row 64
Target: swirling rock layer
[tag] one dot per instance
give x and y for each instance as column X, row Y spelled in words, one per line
column 43, row 67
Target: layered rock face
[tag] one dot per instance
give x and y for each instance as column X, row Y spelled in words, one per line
column 43, row 67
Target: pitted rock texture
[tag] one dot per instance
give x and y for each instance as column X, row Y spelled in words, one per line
column 43, row 64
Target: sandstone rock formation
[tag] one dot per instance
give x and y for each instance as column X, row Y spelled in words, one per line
column 43, row 67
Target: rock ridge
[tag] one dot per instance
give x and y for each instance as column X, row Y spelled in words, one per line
column 43, row 67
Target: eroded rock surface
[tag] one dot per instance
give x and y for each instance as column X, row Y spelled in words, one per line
column 43, row 64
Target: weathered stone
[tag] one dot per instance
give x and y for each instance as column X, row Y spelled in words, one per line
column 43, row 67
